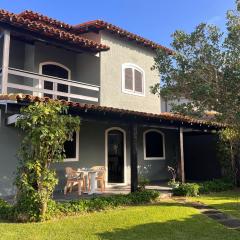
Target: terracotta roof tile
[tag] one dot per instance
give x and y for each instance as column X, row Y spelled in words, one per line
column 97, row 25
column 91, row 107
column 50, row 28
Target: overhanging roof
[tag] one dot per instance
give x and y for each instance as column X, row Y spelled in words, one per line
column 101, row 111
column 50, row 28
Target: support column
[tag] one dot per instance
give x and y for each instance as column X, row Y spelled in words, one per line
column 182, row 156
column 134, row 157
column 5, row 61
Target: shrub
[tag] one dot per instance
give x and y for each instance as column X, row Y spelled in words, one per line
column 217, row 185
column 5, row 210
column 102, row 203
column 186, row 189
column 142, row 182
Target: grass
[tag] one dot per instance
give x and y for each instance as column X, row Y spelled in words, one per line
column 167, row 220
column 228, row 202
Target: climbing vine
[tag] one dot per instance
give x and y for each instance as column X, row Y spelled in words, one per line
column 46, row 127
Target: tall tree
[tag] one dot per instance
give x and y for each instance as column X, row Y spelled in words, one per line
column 204, row 68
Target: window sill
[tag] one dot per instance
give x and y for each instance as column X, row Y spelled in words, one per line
column 155, row 158
column 71, row 160
column 133, row 93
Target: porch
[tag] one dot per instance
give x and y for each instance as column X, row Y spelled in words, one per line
column 124, row 142
column 40, row 68
column 161, row 186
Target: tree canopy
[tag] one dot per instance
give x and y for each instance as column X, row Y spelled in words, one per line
column 205, row 69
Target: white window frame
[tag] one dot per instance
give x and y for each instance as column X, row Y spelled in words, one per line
column 125, row 156
column 133, row 92
column 144, row 145
column 76, row 159
column 41, row 83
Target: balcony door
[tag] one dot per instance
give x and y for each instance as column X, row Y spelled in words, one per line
column 59, row 71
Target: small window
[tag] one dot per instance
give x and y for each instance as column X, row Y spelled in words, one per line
column 154, row 145
column 132, row 79
column 72, row 148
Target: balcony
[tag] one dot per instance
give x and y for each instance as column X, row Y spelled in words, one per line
column 21, row 81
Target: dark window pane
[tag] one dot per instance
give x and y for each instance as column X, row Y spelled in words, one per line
column 48, row 85
column 138, row 81
column 62, row 87
column 154, row 144
column 128, row 79
column 70, row 147
column 55, row 71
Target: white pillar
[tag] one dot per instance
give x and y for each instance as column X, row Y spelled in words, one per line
column 182, row 156
column 5, row 60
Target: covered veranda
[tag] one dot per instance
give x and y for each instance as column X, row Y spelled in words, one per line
column 133, row 122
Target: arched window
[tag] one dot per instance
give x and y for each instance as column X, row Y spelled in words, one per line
column 55, row 70
column 133, row 79
column 154, row 145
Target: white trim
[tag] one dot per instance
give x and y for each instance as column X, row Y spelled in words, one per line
column 57, row 64
column 144, row 145
column 76, row 159
column 133, row 92
column 124, row 155
column 5, row 60
column 41, row 83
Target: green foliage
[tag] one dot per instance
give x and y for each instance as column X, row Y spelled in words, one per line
column 194, row 189
column 142, row 182
column 217, row 185
column 6, row 210
column 204, row 69
column 186, row 189
column 173, row 184
column 46, row 126
column 102, row 203
column 229, row 152
column 12, row 212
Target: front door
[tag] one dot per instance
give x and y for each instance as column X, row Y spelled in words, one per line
column 115, row 154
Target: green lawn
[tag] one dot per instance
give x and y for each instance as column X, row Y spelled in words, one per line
column 164, row 221
column 228, row 202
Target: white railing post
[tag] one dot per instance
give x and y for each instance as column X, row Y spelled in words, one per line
column 5, row 60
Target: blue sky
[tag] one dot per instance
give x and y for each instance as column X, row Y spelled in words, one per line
column 153, row 19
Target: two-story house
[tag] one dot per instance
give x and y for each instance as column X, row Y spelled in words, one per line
column 103, row 73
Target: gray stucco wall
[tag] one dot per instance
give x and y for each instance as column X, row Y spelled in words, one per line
column 10, row 139
column 91, row 152
column 123, row 51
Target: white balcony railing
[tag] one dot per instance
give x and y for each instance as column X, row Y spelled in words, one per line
column 21, row 81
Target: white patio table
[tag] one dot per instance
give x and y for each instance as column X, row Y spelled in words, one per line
column 93, row 174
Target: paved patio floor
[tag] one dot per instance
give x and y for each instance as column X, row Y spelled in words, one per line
column 112, row 190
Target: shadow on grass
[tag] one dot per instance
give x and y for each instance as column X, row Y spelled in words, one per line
column 186, row 229
column 196, row 226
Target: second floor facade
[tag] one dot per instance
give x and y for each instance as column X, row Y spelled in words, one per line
column 106, row 68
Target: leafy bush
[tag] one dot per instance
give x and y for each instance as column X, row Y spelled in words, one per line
column 102, row 203
column 142, row 182
column 217, row 185
column 194, row 189
column 173, row 184
column 46, row 126
column 5, row 210
column 12, row 212
column 186, row 189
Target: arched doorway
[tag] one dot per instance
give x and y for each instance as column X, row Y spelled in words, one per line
column 115, row 155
